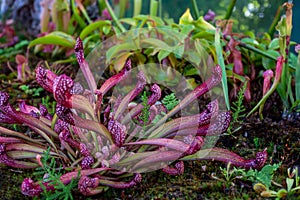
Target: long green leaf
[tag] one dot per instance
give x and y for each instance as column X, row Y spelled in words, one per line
column 169, row 143
column 27, row 148
column 114, row 51
column 135, row 158
column 137, row 7
column 156, row 43
column 79, row 20
column 21, row 154
column 114, row 17
column 93, row 26
column 222, row 64
column 297, row 79
column 6, row 131
column 217, row 154
column 153, row 7
column 83, row 11
column 155, row 161
column 55, row 38
column 195, row 8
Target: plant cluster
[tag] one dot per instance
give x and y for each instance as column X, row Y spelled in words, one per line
column 98, row 144
column 94, row 140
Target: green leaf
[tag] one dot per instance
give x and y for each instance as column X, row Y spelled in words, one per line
column 178, row 50
column 221, row 62
column 170, row 101
column 114, row 51
column 282, row 27
column 289, row 183
column 204, row 34
column 156, row 160
column 274, row 44
column 250, row 34
column 164, row 142
column 281, row 193
column 121, row 60
column 230, row 73
column 135, row 158
column 250, row 41
column 190, row 71
column 162, row 54
column 265, row 175
column 76, row 15
column 270, row 63
column 106, row 29
column 130, row 21
column 158, row 21
column 55, row 38
column 187, row 29
column 203, row 25
column 186, row 18
column 155, row 43
column 93, row 26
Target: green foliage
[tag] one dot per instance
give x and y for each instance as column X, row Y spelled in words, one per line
column 292, row 186
column 220, row 58
column 170, row 101
column 237, row 108
column 296, row 106
column 10, row 52
column 145, row 110
column 228, row 174
column 50, row 172
column 55, row 38
column 49, row 105
column 256, row 142
column 35, row 92
column 264, row 176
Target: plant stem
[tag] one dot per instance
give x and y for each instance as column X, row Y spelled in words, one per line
column 195, row 8
column 261, row 103
column 79, row 20
column 160, row 8
column 278, row 75
column 114, row 17
column 230, row 9
column 122, row 8
column 137, row 7
column 275, row 21
column 153, row 7
column 101, row 6
column 81, row 7
column 297, row 79
column 256, row 50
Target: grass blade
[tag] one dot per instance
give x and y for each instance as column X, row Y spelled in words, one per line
column 222, row 64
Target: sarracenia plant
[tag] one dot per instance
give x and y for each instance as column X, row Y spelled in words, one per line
column 98, row 145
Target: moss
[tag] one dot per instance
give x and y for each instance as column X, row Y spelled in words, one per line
column 10, row 184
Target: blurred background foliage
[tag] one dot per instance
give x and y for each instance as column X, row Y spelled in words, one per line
column 248, row 15
column 252, row 15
